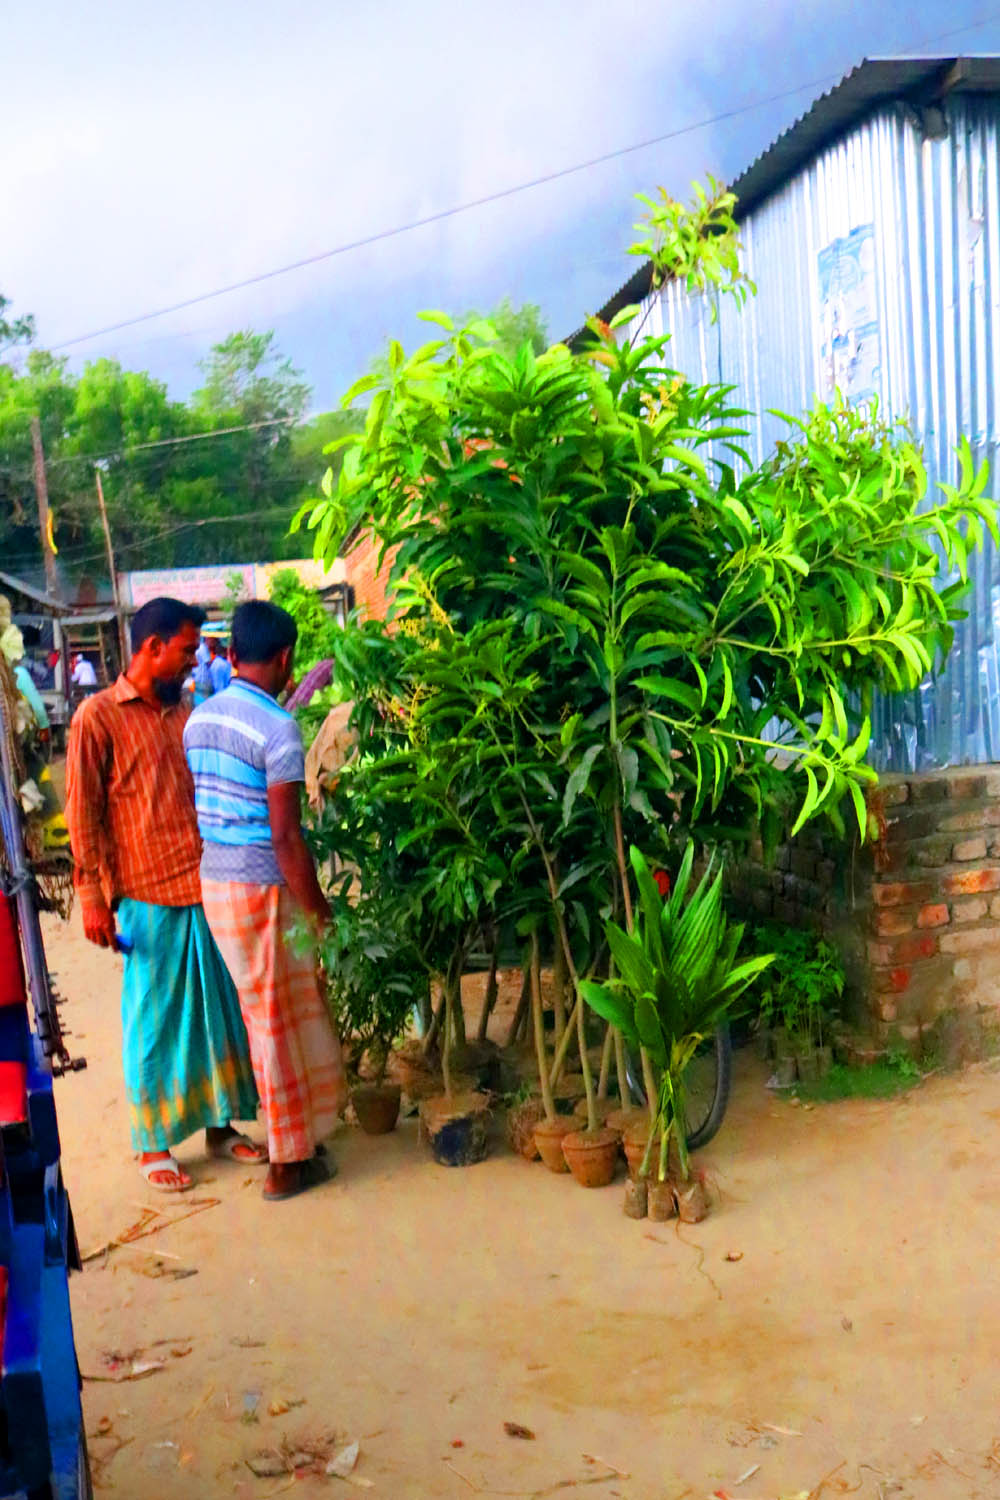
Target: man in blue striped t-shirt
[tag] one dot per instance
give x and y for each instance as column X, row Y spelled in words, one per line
column 257, row 876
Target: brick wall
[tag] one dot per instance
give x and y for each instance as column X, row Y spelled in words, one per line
column 917, row 914
column 934, row 918
column 367, row 579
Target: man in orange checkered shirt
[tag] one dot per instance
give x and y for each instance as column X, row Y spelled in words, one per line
column 136, row 846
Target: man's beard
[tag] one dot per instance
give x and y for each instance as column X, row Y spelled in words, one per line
column 168, row 689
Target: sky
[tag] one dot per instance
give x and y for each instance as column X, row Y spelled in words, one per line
column 153, row 154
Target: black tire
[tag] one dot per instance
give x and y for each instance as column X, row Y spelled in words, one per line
column 719, row 1062
column 708, row 1083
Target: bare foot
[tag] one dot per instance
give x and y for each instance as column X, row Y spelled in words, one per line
column 168, row 1178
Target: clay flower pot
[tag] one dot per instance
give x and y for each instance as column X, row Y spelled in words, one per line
column 377, row 1107
column 549, row 1138
column 521, row 1121
column 635, row 1140
column 591, row 1156
column 456, row 1128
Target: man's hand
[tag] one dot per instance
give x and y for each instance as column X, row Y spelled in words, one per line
column 99, row 926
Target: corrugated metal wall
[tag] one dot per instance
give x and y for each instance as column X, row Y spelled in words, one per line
column 925, row 219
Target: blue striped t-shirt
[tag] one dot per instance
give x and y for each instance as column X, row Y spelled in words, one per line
column 239, row 743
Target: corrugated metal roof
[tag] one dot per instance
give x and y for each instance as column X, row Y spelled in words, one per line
column 7, row 580
column 920, row 82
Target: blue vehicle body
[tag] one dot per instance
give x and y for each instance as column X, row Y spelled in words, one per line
column 42, row 1445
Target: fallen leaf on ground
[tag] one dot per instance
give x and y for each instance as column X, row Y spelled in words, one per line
column 515, row 1430
column 734, row 1255
column 747, row 1474
column 137, row 1371
column 457, row 1443
column 267, row 1465
column 846, row 1325
column 344, row 1462
column 785, row 1431
column 103, row 1427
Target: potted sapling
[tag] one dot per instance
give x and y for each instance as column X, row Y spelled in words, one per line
column 677, row 977
column 372, row 984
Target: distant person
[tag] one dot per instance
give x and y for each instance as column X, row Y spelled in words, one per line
column 257, row 876
column 202, row 676
column 83, row 675
column 134, row 834
column 219, row 670
column 28, row 689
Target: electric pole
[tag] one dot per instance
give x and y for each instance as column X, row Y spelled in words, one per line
column 44, row 518
column 122, row 639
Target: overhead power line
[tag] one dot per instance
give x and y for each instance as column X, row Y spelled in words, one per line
column 189, row 437
column 496, row 197
column 69, row 554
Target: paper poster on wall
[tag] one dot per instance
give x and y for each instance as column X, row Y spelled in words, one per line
column 849, row 327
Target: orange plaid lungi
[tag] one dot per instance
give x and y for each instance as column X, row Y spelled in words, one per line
column 294, row 1051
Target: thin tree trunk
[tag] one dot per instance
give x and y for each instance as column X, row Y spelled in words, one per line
column 437, row 1020
column 522, row 1007
column 538, row 1019
column 492, row 990
column 624, row 1092
column 559, row 976
column 602, row 1082
column 459, row 1037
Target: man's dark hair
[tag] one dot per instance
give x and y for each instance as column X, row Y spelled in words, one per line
column 163, row 617
column 261, row 630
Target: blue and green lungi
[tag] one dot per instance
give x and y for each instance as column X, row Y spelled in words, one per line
column 184, row 1044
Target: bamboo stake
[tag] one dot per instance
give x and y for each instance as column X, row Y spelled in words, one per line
column 602, row 1082
column 539, row 1026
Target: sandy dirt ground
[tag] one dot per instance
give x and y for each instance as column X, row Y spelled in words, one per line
column 417, row 1309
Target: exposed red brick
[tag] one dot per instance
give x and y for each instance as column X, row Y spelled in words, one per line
column 893, row 793
column 890, row 981
column 903, row 950
column 914, row 893
column 971, row 882
column 892, row 922
column 916, row 945
column 969, row 849
column 972, row 940
column 933, row 916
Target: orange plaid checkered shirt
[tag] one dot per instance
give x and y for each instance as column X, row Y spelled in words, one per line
column 130, row 801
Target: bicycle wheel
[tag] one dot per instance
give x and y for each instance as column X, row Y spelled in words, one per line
column 707, row 1085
